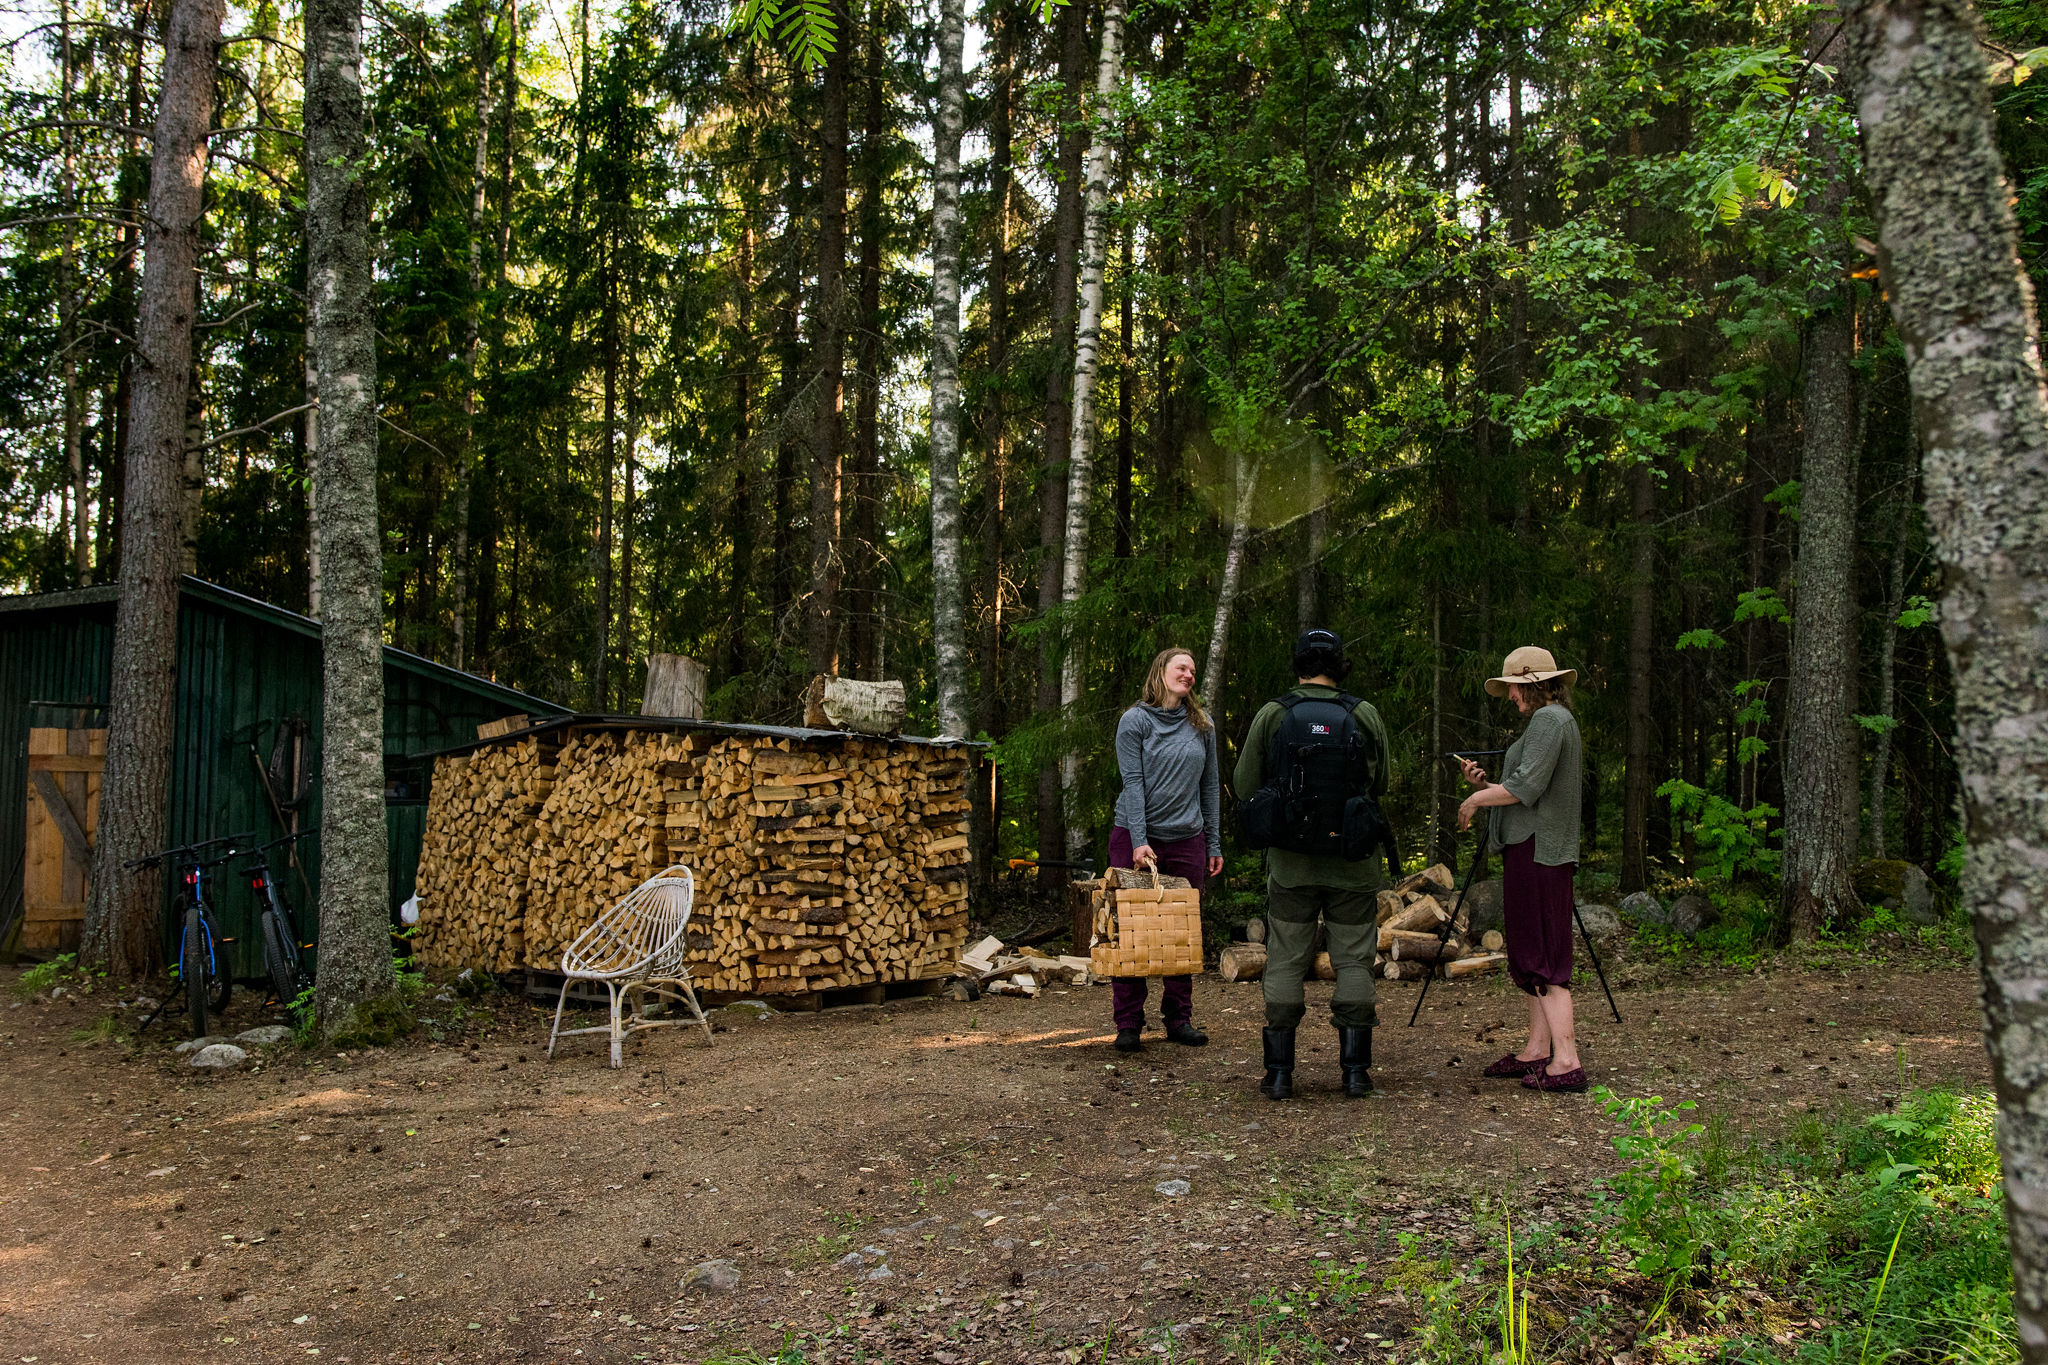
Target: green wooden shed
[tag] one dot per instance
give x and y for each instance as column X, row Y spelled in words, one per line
column 248, row 712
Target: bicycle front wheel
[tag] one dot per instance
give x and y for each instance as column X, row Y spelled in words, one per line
column 282, row 961
column 195, row 968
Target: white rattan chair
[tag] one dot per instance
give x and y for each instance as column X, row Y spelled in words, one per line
column 636, row 949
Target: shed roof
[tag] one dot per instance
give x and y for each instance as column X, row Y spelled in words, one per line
column 394, row 657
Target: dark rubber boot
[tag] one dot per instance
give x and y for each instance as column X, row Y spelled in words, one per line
column 1354, row 1055
column 1186, row 1034
column 1127, row 1040
column 1279, row 1080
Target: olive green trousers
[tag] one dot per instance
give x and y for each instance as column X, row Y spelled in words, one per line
column 1351, row 933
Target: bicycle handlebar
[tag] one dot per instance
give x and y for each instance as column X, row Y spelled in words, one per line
column 282, row 839
column 151, row 859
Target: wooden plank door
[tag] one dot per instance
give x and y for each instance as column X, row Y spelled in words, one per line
column 63, row 822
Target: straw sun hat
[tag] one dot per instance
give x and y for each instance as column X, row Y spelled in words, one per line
column 1529, row 665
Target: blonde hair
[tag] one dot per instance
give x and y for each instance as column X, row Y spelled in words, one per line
column 1155, row 688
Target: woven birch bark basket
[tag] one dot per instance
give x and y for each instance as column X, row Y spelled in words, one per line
column 1153, row 929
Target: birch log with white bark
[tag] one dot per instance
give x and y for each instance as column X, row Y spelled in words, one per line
column 355, row 923
column 1087, row 356
column 120, row 934
column 949, row 626
column 1949, row 257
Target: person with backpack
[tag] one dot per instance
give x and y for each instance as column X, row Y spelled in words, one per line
column 1315, row 763
column 1168, row 819
column 1535, row 829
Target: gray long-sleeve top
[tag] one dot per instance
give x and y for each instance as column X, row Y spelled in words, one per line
column 1172, row 789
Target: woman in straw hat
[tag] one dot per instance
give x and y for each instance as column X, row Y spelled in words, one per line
column 1536, row 830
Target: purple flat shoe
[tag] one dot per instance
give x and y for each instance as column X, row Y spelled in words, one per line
column 1573, row 1081
column 1511, row 1066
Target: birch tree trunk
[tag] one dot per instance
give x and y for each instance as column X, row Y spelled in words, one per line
column 1081, row 438
column 120, row 933
column 1247, row 488
column 1058, row 422
column 949, row 626
column 1949, row 257
column 355, row 923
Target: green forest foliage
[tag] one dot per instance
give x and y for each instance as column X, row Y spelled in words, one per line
column 1433, row 284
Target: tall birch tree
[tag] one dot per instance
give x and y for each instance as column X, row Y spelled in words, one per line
column 120, row 934
column 1087, row 356
column 1948, row 254
column 949, row 627
column 355, row 954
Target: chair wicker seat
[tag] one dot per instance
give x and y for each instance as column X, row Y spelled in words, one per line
column 636, row 950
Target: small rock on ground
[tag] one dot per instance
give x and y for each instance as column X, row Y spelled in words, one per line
column 268, row 1035
column 1172, row 1189
column 197, row 1044
column 1600, row 920
column 721, row 1276
column 224, row 1056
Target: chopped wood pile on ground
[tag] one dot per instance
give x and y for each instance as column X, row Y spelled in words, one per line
column 819, row 864
column 990, row 968
column 1412, row 916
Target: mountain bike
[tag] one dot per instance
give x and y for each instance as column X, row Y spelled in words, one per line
column 282, row 957
column 201, row 967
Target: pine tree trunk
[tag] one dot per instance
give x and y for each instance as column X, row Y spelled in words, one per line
column 739, row 515
column 355, row 922
column 949, row 625
column 821, row 615
column 1887, row 670
column 471, row 330
column 1950, row 264
column 1636, row 783
column 1052, row 493
column 858, row 598
column 1822, row 784
column 607, row 446
column 1087, row 356
column 120, row 934
column 67, row 311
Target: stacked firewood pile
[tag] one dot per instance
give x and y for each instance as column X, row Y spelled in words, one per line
column 828, row 866
column 474, row 860
column 1412, row 943
column 818, row 864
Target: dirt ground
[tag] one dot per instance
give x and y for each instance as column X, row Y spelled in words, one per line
column 928, row 1180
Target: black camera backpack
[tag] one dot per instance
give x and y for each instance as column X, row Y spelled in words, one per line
column 1315, row 798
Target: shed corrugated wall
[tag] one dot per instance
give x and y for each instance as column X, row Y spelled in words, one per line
column 243, row 666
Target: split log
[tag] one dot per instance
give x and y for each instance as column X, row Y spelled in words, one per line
column 1404, row 945
column 1242, row 962
column 1404, row 971
column 1492, row 941
column 1430, row 879
column 873, row 708
column 1477, row 965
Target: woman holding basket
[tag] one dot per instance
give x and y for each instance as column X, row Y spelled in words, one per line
column 1167, row 820
column 1536, row 831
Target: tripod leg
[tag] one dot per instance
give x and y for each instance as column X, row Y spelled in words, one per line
column 1597, row 969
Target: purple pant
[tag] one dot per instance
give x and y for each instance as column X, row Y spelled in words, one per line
column 1536, row 902
column 1181, row 858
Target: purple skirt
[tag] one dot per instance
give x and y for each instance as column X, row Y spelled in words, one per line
column 1536, row 903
